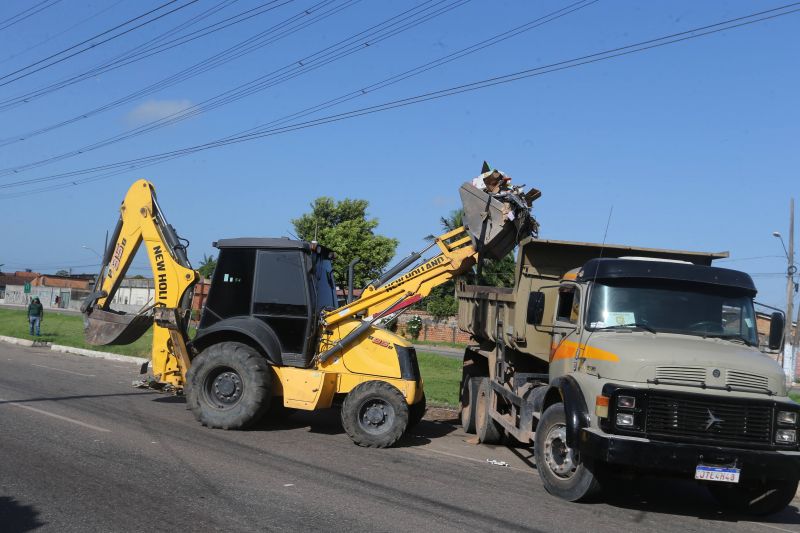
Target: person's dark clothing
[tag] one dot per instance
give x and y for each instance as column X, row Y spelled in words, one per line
column 35, row 309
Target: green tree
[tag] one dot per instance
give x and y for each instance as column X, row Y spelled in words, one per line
column 345, row 228
column 62, row 273
column 207, row 266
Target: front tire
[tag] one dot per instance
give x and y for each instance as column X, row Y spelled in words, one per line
column 756, row 498
column 559, row 466
column 229, row 386
column 375, row 414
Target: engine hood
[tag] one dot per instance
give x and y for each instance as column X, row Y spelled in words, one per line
column 685, row 360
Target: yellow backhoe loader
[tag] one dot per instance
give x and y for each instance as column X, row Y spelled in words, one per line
column 272, row 330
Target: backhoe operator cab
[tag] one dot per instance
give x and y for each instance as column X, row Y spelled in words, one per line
column 270, row 293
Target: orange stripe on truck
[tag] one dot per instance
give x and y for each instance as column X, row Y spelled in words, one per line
column 566, row 350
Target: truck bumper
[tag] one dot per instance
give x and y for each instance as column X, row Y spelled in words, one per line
column 647, row 454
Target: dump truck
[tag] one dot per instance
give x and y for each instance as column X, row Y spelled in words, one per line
column 272, row 332
column 624, row 359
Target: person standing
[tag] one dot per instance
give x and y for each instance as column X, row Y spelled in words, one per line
column 35, row 315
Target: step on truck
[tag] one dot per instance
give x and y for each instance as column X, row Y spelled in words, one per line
column 615, row 358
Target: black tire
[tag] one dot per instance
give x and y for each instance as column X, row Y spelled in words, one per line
column 229, row 386
column 488, row 431
column 560, row 468
column 416, row 412
column 375, row 414
column 469, row 399
column 756, row 498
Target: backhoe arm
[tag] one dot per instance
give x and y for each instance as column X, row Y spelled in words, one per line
column 142, row 222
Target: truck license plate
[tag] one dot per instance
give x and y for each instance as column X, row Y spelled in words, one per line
column 717, row 473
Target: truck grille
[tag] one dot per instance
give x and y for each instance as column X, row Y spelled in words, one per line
column 681, row 373
column 708, row 419
column 743, row 379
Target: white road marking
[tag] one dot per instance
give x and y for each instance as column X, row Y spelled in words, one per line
column 67, row 371
column 64, row 418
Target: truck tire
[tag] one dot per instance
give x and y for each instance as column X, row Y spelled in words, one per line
column 756, row 498
column 560, row 468
column 488, row 431
column 375, row 414
column 416, row 412
column 469, row 399
column 229, row 386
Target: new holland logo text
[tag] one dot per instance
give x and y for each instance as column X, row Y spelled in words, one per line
column 158, row 256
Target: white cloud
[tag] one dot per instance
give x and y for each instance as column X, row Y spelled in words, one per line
column 155, row 109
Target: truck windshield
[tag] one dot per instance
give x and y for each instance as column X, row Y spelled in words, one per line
column 684, row 309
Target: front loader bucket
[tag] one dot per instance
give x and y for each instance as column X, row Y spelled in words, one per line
column 103, row 328
column 495, row 226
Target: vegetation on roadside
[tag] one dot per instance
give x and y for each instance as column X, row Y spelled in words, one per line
column 794, row 396
column 441, row 374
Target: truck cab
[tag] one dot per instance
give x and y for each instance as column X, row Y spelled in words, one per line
column 638, row 358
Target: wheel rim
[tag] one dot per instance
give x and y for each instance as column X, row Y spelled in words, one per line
column 224, row 388
column 376, row 416
column 557, row 455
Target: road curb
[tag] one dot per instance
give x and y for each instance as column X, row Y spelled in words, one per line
column 99, row 355
column 15, row 340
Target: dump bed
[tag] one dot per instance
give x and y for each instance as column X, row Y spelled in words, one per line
column 490, row 314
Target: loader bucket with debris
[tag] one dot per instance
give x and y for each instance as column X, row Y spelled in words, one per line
column 496, row 221
column 104, row 328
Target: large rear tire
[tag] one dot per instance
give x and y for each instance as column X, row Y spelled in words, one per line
column 229, row 386
column 469, row 400
column 756, row 498
column 487, row 429
column 375, row 414
column 560, row 468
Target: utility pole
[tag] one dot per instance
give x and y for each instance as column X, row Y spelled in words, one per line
column 790, row 271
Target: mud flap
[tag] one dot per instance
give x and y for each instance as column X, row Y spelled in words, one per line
column 104, row 328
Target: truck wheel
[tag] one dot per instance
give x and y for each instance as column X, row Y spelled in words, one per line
column 416, row 412
column 488, row 431
column 469, row 400
column 559, row 466
column 757, row 498
column 229, row 386
column 375, row 414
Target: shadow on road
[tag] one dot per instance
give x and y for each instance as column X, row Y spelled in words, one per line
column 16, row 517
column 76, row 397
column 680, row 497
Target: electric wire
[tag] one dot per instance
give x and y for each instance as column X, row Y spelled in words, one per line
column 121, row 167
column 374, row 34
column 150, row 49
column 303, row 19
column 7, row 23
column 91, row 45
column 62, row 32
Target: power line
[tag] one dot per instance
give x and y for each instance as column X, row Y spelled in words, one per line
column 124, row 166
column 62, row 32
column 343, row 48
column 31, row 11
column 23, row 74
column 302, row 19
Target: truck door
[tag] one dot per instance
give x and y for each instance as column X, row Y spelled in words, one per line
column 566, row 329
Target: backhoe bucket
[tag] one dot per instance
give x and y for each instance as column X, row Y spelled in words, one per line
column 495, row 226
column 104, row 328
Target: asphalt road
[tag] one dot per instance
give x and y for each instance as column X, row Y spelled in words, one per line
column 80, row 450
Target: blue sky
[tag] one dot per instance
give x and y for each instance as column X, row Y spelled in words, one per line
column 695, row 145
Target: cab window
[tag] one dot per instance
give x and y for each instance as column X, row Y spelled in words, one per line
column 569, row 302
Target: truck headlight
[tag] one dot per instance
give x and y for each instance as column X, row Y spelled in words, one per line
column 785, row 436
column 626, row 420
column 626, row 402
column 787, row 417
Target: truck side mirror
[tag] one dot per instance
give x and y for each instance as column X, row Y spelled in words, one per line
column 776, row 326
column 535, row 308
